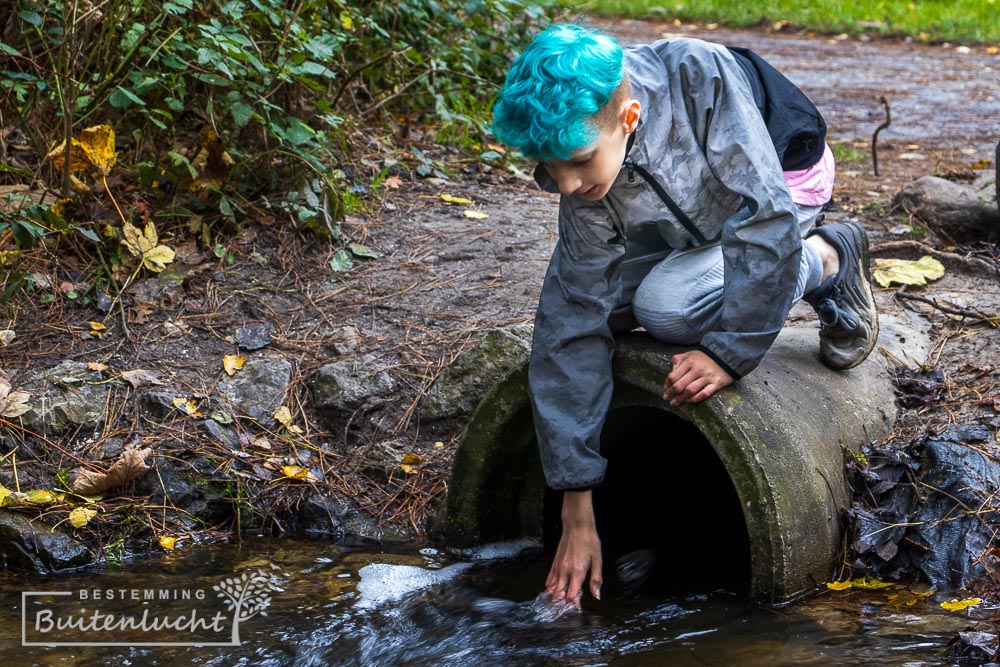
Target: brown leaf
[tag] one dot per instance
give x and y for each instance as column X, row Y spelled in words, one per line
column 140, row 378
column 129, row 466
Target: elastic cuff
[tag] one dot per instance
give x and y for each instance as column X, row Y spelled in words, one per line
column 726, row 367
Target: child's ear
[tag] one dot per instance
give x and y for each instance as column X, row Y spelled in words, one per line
column 630, row 115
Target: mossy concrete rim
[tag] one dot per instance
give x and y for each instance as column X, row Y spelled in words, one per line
column 781, row 432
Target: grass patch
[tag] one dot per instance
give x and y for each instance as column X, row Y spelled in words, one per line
column 845, row 153
column 925, row 20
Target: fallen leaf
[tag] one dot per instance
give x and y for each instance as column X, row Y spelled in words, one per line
column 39, row 497
column 475, row 215
column 838, row 585
column 907, row 272
column 129, row 466
column 97, row 329
column 438, row 445
column 411, row 463
column 96, row 366
column 959, row 605
column 187, row 405
column 870, row 583
column 145, row 245
column 168, row 542
column 232, row 363
column 7, row 336
column 908, row 598
column 298, row 472
column 80, row 516
column 95, row 149
column 284, row 417
column 13, row 403
column 393, row 182
column 140, row 378
column 458, row 201
column 5, row 494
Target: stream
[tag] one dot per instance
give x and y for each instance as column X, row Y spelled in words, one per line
column 338, row 605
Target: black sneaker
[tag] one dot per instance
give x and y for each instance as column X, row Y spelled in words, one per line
column 845, row 302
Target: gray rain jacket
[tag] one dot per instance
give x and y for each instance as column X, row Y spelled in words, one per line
column 702, row 140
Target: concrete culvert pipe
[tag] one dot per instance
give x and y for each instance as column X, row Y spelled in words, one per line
column 762, row 461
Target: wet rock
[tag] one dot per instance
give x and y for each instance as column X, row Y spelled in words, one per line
column 164, row 290
column 349, row 384
column 191, row 486
column 258, row 389
column 223, row 434
column 255, row 337
column 345, row 340
column 463, row 384
column 40, row 549
column 63, row 397
column 159, row 404
column 320, row 515
column 957, row 212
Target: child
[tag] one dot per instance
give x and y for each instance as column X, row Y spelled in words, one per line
column 676, row 214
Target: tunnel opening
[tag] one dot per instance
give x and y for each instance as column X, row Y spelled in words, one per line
column 668, row 515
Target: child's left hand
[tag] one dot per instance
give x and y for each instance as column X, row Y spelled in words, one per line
column 695, row 377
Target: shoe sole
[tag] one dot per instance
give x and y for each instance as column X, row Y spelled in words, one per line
column 866, row 276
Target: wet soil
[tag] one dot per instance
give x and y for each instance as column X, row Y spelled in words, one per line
column 443, row 280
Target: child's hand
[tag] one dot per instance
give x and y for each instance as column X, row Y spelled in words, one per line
column 695, row 377
column 579, row 552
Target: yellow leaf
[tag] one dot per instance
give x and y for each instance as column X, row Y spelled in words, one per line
column 6, row 336
column 438, row 445
column 168, row 542
column 134, row 240
column 59, row 208
column 157, row 259
column 458, row 201
column 346, row 22
column 411, row 463
column 96, row 366
column 959, row 605
column 40, row 497
column 284, row 417
column 298, row 472
column 232, row 363
column 838, row 585
column 95, row 149
column 907, row 272
column 4, row 495
column 150, row 234
column 80, row 516
column 908, row 598
column 475, row 215
column 869, row 583
column 97, row 329
column 187, row 405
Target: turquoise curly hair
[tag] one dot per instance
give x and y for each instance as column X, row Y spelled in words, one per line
column 553, row 90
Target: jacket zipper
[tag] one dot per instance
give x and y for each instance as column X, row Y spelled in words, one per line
column 681, row 216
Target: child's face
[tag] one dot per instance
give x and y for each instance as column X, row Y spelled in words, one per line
column 590, row 172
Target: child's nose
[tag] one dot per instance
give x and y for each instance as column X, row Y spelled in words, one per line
column 569, row 182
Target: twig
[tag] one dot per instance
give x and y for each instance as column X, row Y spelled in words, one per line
column 952, row 310
column 886, row 123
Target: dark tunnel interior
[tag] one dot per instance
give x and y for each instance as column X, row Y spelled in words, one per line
column 667, row 513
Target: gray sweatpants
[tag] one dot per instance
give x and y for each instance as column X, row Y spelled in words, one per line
column 679, row 301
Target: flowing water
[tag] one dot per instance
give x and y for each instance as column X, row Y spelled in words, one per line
column 333, row 605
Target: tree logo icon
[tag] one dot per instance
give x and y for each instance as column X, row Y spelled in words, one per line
column 246, row 596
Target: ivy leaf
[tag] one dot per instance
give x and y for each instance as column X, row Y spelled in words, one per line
column 907, row 272
column 342, row 261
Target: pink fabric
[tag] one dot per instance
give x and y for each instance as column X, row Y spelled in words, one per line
column 813, row 186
